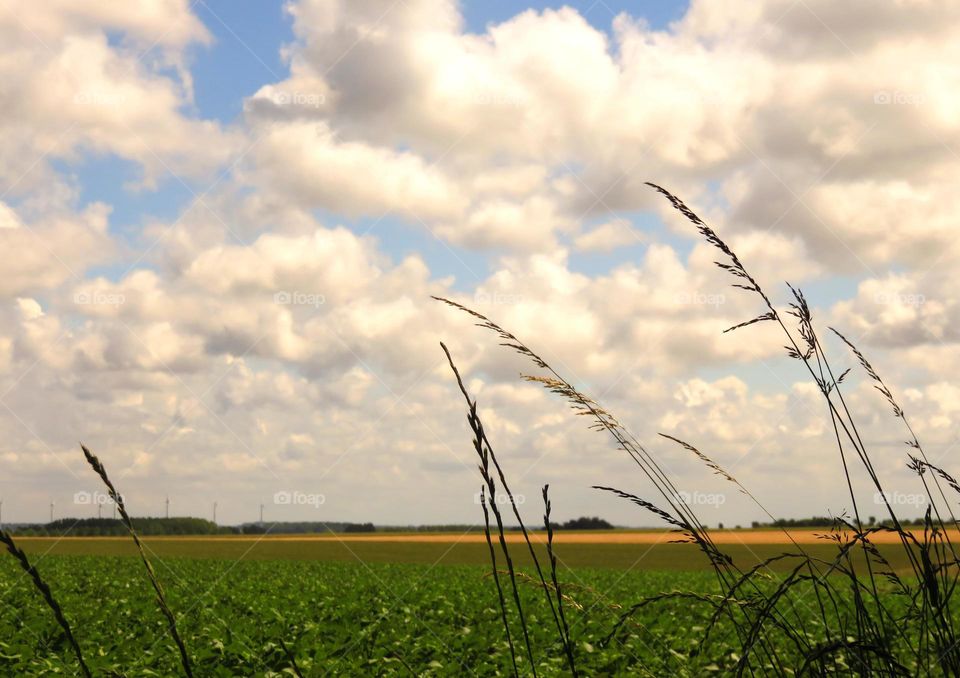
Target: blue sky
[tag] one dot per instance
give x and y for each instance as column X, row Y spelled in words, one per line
column 246, row 54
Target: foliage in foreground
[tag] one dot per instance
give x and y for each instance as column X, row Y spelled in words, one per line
column 340, row 619
column 858, row 628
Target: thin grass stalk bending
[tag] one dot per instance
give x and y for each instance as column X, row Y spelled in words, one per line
column 482, row 448
column 552, row 557
column 293, row 660
column 496, row 579
column 117, row 498
column 723, row 567
column 46, row 594
column 485, row 450
column 737, row 269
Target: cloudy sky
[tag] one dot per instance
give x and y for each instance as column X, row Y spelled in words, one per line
column 221, row 224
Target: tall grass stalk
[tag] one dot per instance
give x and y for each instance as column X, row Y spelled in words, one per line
column 485, row 452
column 47, row 595
column 117, row 498
column 292, row 659
column 552, row 557
column 496, row 579
column 686, row 521
column 860, row 628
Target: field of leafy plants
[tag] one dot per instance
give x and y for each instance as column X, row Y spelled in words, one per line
column 235, row 618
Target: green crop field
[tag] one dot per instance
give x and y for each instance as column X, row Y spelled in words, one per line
column 337, row 618
column 349, row 612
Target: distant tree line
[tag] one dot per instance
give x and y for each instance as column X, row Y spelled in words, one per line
column 147, row 526
column 113, row 527
column 823, row 521
column 584, row 523
column 303, row 528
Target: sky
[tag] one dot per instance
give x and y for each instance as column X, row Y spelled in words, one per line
column 223, row 223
